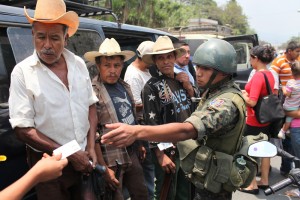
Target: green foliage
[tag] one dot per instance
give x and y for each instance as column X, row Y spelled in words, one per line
column 233, row 15
column 170, row 13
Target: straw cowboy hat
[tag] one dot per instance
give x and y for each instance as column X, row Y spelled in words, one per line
column 162, row 45
column 52, row 12
column 109, row 47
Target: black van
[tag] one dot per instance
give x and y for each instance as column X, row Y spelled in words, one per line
column 16, row 44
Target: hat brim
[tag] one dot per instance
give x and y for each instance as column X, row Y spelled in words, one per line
column 148, row 58
column 69, row 19
column 91, row 55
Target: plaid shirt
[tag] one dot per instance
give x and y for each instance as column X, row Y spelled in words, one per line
column 107, row 114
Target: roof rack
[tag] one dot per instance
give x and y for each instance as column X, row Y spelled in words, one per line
column 200, row 29
column 81, row 7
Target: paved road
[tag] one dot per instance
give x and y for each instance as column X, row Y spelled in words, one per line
column 274, row 178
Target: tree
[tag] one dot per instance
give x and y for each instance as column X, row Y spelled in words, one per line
column 233, row 15
column 170, row 13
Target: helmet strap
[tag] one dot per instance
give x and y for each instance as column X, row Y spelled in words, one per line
column 211, row 79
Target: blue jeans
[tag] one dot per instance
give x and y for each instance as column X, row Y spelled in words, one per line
column 295, row 140
column 286, row 164
column 148, row 169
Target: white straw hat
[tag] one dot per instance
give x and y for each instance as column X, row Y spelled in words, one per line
column 163, row 45
column 109, row 47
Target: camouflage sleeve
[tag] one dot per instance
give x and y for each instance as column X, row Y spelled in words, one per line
column 219, row 113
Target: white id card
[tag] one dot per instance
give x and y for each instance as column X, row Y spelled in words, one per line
column 164, row 145
column 67, row 149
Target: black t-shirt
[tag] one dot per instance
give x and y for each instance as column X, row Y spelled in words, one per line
column 122, row 103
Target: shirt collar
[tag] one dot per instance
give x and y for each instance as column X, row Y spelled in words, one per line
column 185, row 68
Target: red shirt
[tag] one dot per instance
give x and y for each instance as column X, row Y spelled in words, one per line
column 257, row 88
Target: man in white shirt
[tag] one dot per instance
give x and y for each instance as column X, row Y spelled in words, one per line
column 137, row 75
column 51, row 99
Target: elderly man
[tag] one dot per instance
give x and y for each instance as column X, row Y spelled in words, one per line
column 51, row 99
column 116, row 104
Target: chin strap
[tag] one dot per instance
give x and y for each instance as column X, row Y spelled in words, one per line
column 211, row 79
column 209, row 86
column 220, row 83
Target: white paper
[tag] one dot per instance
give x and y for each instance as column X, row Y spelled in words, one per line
column 67, row 149
column 164, row 145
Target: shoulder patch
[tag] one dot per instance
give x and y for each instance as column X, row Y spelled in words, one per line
column 216, row 103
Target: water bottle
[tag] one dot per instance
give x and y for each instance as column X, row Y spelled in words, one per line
column 241, row 163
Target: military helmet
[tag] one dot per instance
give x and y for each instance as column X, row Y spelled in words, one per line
column 217, row 54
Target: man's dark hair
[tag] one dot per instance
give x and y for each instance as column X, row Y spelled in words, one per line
column 292, row 45
column 179, row 44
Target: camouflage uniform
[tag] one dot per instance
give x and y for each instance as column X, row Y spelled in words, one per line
column 219, row 115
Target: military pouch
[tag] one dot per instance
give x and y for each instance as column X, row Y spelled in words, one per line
column 242, row 177
column 202, row 161
column 187, row 153
column 194, row 161
column 219, row 171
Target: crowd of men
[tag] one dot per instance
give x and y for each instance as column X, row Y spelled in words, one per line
column 139, row 121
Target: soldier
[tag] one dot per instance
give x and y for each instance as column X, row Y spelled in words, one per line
column 217, row 123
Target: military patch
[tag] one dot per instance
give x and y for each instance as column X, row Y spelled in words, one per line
column 216, row 103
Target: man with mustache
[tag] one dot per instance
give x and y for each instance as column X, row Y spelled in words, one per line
column 116, row 104
column 51, row 99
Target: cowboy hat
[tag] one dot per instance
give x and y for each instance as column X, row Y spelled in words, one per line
column 109, row 47
column 52, row 12
column 162, row 45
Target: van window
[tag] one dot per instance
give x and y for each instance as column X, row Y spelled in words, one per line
column 194, row 44
column 4, row 86
column 243, row 52
column 21, row 42
column 83, row 41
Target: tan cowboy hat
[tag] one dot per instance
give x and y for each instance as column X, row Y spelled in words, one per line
column 162, row 45
column 109, row 47
column 52, row 12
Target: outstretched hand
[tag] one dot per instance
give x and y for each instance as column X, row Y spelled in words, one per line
column 121, row 135
column 49, row 167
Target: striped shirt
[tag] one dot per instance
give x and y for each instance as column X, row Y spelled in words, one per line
column 281, row 65
column 292, row 86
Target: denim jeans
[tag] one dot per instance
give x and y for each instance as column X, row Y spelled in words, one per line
column 295, row 140
column 286, row 164
column 148, row 169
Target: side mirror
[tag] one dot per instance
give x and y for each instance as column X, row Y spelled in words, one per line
column 262, row 149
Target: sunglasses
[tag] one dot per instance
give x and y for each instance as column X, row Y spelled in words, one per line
column 253, row 56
